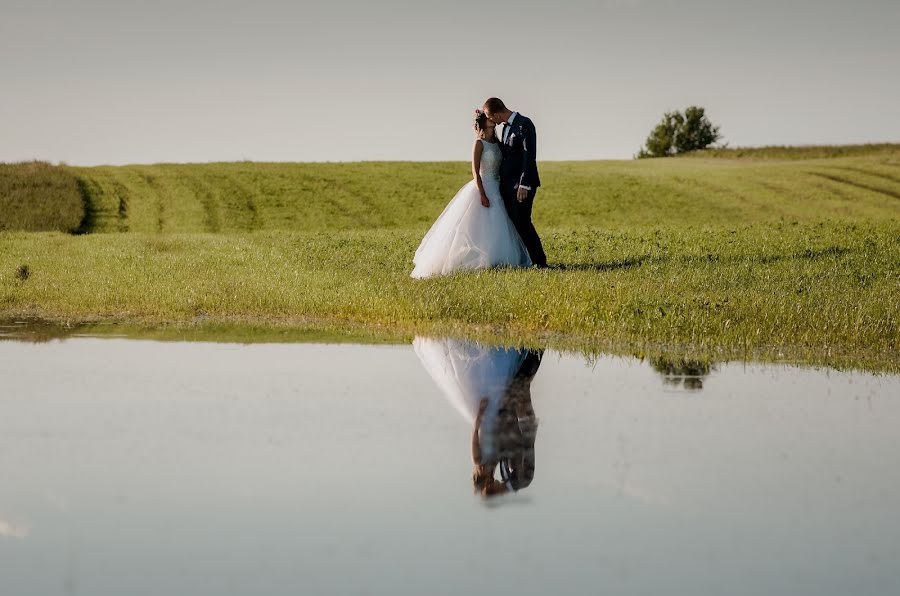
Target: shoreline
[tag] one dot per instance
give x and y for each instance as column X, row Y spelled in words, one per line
column 247, row 330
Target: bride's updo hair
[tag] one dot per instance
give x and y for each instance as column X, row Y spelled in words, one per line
column 479, row 122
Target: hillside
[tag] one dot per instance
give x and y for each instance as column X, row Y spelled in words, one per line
column 801, row 151
column 246, row 196
column 238, row 197
column 36, row 196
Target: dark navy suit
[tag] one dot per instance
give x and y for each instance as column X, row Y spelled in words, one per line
column 519, row 167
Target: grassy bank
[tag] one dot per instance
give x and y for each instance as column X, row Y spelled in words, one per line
column 718, row 258
column 817, row 293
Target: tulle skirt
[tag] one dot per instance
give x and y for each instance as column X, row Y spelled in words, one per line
column 466, row 372
column 468, row 236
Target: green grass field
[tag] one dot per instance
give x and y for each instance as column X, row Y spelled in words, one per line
column 707, row 257
column 36, row 196
column 241, row 197
column 801, row 152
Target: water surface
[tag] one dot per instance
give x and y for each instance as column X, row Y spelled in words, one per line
column 144, row 467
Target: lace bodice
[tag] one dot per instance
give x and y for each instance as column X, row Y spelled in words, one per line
column 490, row 160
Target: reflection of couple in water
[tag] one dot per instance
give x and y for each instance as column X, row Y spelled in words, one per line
column 491, row 388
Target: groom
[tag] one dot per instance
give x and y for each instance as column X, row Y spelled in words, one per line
column 519, row 179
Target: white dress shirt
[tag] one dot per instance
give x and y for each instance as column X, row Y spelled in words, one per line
column 506, row 126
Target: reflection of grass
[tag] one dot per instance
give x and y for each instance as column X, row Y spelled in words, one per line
column 245, row 332
column 679, row 367
column 816, row 292
column 681, row 371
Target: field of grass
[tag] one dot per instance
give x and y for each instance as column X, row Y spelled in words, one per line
column 800, row 152
column 241, row 197
column 37, row 196
column 713, row 258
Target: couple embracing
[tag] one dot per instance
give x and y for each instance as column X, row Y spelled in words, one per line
column 488, row 222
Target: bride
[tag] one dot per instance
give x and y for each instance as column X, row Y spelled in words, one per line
column 474, row 231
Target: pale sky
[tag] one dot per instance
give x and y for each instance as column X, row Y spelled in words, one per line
column 120, row 81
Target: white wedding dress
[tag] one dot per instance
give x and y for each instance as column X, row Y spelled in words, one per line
column 469, row 236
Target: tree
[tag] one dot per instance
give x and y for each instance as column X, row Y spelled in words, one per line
column 679, row 133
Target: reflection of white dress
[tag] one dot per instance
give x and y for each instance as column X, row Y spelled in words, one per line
column 466, row 373
column 469, row 236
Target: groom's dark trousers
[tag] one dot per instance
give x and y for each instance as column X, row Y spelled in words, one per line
column 520, row 214
column 519, row 147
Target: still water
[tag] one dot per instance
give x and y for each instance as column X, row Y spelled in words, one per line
column 167, row 468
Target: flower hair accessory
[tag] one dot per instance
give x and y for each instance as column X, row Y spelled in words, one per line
column 479, row 120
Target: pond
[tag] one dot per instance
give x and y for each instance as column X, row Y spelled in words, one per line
column 165, row 467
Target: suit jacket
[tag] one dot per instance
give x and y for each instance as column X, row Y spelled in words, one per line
column 517, row 461
column 519, row 156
